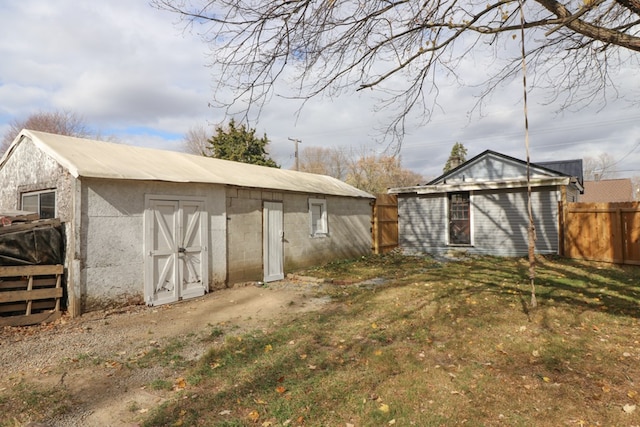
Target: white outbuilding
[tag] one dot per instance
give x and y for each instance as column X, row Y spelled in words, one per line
column 160, row 226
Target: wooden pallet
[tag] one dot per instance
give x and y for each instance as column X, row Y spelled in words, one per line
column 30, row 294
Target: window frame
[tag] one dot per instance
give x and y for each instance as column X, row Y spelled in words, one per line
column 39, row 194
column 467, row 218
column 322, row 231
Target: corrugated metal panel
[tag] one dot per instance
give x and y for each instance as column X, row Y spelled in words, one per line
column 97, row 159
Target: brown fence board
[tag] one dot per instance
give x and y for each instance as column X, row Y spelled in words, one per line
column 602, row 231
column 384, row 227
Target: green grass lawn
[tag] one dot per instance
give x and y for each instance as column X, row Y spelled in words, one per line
column 436, row 344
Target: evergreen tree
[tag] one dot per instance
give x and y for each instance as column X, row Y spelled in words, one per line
column 240, row 144
column 457, row 157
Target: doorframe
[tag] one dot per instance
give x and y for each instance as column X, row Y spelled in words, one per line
column 147, row 246
column 268, row 275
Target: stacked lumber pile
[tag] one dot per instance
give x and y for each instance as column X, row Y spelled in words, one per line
column 31, row 269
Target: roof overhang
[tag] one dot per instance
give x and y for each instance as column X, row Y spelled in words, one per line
column 484, row 185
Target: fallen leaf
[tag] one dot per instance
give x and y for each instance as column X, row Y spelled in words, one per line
column 260, row 401
column 392, row 422
column 303, row 356
column 300, row 420
column 267, row 424
column 312, row 367
column 280, row 389
column 632, row 394
column 374, row 326
column 254, row 416
column 225, row 412
column 629, row 408
column 384, row 408
column 179, row 384
column 268, row 348
column 281, row 379
column 377, row 352
column 546, row 379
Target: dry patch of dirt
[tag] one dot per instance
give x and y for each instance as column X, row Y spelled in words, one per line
column 99, row 360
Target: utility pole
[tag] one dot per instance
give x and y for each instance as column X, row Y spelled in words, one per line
column 297, row 141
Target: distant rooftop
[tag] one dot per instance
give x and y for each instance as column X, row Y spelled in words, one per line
column 567, row 167
column 607, row 190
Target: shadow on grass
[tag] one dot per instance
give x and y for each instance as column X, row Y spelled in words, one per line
column 558, row 281
column 324, row 366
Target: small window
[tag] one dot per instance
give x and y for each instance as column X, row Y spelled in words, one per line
column 459, row 219
column 318, row 217
column 41, row 202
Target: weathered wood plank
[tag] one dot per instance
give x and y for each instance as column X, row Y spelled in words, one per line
column 13, row 296
column 22, row 283
column 32, row 319
column 54, row 222
column 30, row 270
column 37, row 305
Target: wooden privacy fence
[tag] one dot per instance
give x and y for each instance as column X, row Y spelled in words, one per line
column 30, row 294
column 601, row 231
column 384, row 227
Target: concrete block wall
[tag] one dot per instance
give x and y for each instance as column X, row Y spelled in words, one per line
column 244, row 233
column 349, row 222
column 349, row 226
column 112, row 238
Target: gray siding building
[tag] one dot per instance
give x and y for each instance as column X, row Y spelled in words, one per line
column 480, row 207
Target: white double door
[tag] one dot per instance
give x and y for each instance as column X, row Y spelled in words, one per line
column 176, row 261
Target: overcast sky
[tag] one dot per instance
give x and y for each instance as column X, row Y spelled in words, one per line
column 130, row 72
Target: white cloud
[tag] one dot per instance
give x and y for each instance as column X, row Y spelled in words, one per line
column 129, row 71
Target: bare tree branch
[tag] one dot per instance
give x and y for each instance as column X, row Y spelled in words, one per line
column 403, row 48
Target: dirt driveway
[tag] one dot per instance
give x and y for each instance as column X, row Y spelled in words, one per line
column 91, row 361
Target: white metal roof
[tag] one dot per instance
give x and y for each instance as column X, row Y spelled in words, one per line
column 98, row 159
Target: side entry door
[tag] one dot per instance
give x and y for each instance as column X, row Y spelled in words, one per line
column 176, row 261
column 273, row 241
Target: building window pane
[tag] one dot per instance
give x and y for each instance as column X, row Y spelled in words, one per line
column 318, row 217
column 43, row 203
column 48, row 205
column 30, row 203
column 459, row 219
